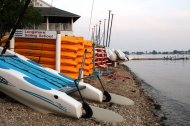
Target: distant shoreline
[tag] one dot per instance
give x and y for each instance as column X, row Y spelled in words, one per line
column 170, row 58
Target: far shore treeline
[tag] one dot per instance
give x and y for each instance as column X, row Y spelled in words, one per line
column 159, row 52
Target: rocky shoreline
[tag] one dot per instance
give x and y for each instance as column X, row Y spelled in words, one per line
column 141, row 113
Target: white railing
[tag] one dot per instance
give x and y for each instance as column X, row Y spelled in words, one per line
column 56, row 26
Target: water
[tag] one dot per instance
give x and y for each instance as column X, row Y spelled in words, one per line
column 169, row 83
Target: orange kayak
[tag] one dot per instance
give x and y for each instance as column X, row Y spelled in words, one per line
column 81, row 47
column 72, row 75
column 89, row 55
column 35, row 46
column 89, row 50
column 91, row 66
column 65, row 61
column 37, row 53
column 86, row 73
column 69, row 54
column 88, row 43
column 80, row 53
column 42, row 60
column 91, row 71
column 87, row 60
column 49, row 66
column 72, row 40
column 79, row 59
column 33, row 40
column 67, row 68
column 86, row 67
column 69, row 47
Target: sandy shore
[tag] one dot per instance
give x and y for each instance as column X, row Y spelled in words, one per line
column 13, row 113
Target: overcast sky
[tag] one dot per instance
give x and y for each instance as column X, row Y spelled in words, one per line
column 139, row 25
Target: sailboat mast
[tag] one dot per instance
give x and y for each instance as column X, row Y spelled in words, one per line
column 110, row 30
column 99, row 41
column 104, row 33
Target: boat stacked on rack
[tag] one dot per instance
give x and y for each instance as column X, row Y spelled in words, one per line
column 111, row 54
column 121, row 56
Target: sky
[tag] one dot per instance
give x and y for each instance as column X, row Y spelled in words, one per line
column 138, row 25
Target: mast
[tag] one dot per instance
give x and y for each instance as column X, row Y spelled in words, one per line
column 104, row 33
column 110, row 30
column 99, row 41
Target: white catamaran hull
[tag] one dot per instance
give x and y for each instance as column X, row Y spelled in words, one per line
column 27, row 85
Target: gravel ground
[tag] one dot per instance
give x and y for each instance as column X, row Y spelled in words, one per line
column 13, row 113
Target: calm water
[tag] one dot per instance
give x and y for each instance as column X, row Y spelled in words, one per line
column 169, row 83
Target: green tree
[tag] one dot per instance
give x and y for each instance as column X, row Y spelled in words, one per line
column 9, row 12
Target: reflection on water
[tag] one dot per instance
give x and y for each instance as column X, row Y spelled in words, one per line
column 171, row 80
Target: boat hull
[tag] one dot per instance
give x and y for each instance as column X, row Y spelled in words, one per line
column 111, row 54
column 34, row 86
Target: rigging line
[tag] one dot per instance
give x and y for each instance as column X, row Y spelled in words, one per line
column 91, row 18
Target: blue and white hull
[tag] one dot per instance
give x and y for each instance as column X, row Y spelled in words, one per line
column 40, row 88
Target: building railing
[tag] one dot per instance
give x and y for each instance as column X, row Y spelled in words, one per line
column 56, row 26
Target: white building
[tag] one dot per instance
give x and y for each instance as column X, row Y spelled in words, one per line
column 55, row 19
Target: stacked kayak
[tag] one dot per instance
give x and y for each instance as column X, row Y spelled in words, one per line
column 40, row 88
column 72, row 56
column 69, row 52
column 88, row 66
column 38, row 50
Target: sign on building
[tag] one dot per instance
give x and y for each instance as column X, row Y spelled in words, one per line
column 35, row 34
